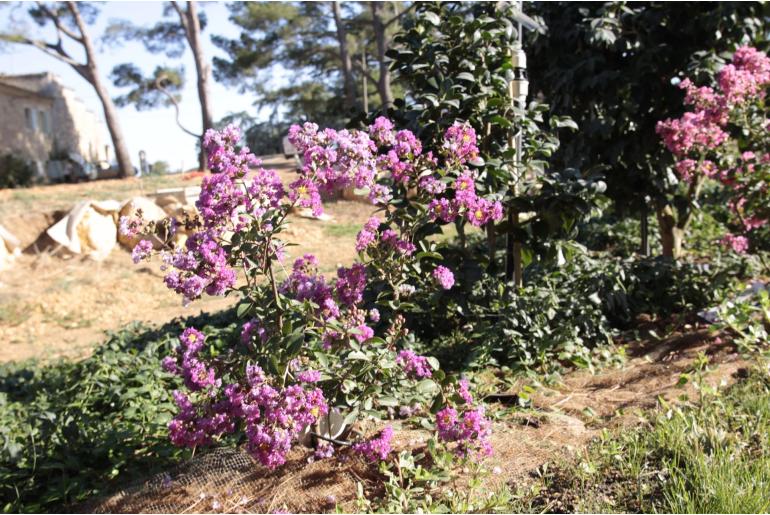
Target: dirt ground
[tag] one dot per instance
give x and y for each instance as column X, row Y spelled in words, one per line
column 560, row 423
column 53, row 307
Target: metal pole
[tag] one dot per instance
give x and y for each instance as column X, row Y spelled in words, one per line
column 518, row 89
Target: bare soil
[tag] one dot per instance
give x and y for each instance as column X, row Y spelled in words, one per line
column 561, row 422
column 52, row 307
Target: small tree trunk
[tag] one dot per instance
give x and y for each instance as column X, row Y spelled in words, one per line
column 91, row 73
column 203, row 70
column 671, row 236
column 673, row 223
column 347, row 64
column 122, row 157
column 378, row 26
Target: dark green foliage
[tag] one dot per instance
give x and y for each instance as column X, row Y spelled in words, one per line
column 609, row 66
column 71, row 430
column 564, row 315
column 15, row 172
column 162, row 88
column 454, row 60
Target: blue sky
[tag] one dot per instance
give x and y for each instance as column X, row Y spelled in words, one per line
column 154, row 131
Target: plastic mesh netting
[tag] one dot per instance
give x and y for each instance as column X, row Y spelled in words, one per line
column 230, row 481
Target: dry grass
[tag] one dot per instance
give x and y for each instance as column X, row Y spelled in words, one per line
column 51, row 307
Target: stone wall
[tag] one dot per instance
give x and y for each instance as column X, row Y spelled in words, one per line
column 72, row 127
column 20, row 128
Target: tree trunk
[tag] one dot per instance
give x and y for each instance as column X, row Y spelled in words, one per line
column 91, row 74
column 671, row 235
column 673, row 222
column 347, row 64
column 116, row 133
column 203, row 70
column 383, row 84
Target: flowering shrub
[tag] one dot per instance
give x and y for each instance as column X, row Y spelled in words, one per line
column 724, row 136
column 308, row 344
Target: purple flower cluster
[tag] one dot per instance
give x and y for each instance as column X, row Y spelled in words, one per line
column 477, row 210
column 227, row 196
column 351, row 283
column 460, row 143
column 414, row 365
column 252, row 329
column 331, row 160
column 197, row 376
column 142, row 250
column 275, row 417
column 377, row 448
column 368, row 235
column 444, row 277
column 272, row 417
column 336, row 301
column 469, row 428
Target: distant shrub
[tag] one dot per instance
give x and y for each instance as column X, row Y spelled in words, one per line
column 15, row 172
column 160, row 168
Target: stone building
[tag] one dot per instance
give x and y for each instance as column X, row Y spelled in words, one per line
column 43, row 121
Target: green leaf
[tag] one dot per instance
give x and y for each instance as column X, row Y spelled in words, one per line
column 387, row 401
column 242, row 309
column 426, row 386
column 431, row 18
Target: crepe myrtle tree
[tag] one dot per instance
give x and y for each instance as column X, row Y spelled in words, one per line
column 616, row 83
column 70, row 21
column 311, row 345
column 723, row 136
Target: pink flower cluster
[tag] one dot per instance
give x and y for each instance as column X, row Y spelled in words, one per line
column 377, row 448
column 738, row 244
column 335, row 301
column 467, row 426
column 702, row 130
column 444, row 277
column 701, row 144
column 272, row 417
column 414, row 365
column 479, row 211
column 460, row 143
column 128, row 226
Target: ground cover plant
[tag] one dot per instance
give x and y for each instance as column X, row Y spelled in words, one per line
column 70, row 430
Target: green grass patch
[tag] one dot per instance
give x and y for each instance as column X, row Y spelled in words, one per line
column 713, row 457
column 13, row 313
column 342, row 230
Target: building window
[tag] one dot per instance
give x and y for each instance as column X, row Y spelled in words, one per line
column 44, row 122
column 29, row 114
